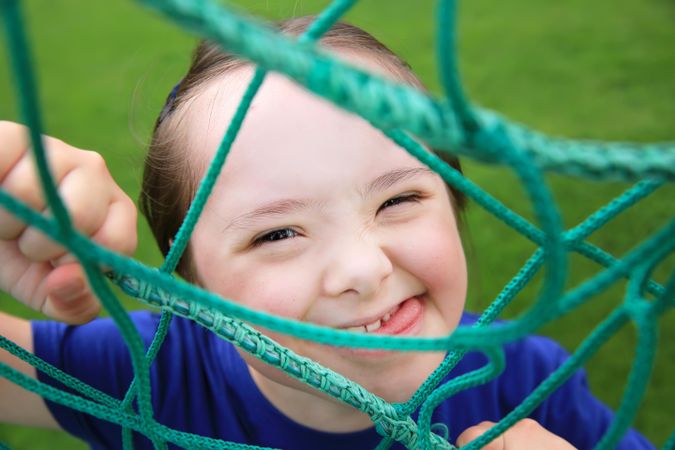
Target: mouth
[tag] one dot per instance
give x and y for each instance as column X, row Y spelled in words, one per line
column 398, row 320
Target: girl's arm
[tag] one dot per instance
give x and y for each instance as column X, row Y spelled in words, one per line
column 40, row 273
column 18, row 405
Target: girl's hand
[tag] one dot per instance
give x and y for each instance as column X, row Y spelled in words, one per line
column 524, row 435
column 34, row 269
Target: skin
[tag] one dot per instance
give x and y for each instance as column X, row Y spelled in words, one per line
column 333, row 225
column 526, row 434
column 345, row 253
column 37, row 271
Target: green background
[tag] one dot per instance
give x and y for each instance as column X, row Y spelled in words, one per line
column 601, row 70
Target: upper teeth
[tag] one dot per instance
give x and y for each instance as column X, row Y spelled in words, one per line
column 373, row 326
column 370, row 327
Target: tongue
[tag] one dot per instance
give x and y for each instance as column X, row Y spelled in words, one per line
column 403, row 318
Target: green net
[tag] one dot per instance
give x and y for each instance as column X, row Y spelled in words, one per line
column 450, row 124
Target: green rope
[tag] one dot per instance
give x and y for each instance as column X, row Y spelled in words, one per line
column 320, row 26
column 20, row 57
column 23, row 74
column 391, row 105
column 670, row 443
column 447, row 64
column 57, row 374
column 182, row 293
column 401, row 112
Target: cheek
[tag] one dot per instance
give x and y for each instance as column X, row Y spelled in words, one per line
column 279, row 294
column 269, row 289
column 439, row 256
column 436, row 258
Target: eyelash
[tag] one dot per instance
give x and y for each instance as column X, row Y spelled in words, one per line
column 283, row 234
column 274, row 236
column 405, row 198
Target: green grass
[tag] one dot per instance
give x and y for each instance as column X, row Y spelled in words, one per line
column 600, row 69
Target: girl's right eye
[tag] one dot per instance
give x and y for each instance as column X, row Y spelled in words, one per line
column 276, row 235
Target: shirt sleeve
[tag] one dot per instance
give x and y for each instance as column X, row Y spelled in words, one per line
column 571, row 411
column 96, row 354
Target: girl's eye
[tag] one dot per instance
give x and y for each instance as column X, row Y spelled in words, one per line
column 276, row 235
column 406, row 198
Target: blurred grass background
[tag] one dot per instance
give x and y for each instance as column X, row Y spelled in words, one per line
column 602, row 69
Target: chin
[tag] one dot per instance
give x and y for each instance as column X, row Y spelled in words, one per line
column 396, row 379
column 392, row 375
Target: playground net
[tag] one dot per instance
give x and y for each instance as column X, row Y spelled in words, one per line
column 451, row 124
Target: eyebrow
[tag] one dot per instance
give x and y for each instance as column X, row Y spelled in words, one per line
column 389, row 179
column 277, row 208
column 266, row 210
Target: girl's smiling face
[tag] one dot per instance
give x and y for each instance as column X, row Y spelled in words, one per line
column 317, row 216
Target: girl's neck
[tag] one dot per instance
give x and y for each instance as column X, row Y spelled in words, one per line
column 313, row 410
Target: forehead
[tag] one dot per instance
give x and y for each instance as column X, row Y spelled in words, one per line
column 210, row 111
column 290, row 139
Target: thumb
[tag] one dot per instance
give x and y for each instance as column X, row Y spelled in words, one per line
column 477, row 431
column 69, row 297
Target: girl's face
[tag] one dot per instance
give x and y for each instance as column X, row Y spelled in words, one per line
column 317, row 216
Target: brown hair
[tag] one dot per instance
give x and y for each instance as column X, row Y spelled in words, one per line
column 170, row 181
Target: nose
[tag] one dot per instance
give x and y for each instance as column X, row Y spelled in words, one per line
column 357, row 266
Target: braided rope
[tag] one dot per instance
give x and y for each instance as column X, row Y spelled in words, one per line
column 452, row 125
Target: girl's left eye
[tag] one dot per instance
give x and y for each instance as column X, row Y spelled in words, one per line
column 405, row 198
column 276, row 235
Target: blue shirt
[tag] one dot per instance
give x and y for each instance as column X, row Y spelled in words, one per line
column 201, row 385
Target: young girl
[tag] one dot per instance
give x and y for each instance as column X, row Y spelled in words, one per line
column 317, row 216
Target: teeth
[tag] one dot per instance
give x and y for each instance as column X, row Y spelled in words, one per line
column 369, row 328
column 366, row 328
column 373, row 326
column 393, row 311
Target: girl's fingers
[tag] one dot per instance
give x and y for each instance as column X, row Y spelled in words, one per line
column 529, row 434
column 21, row 179
column 118, row 231
column 69, row 298
column 14, row 140
column 526, row 434
column 21, row 183
column 476, row 431
column 36, row 270
column 87, row 198
column 90, row 194
column 61, row 293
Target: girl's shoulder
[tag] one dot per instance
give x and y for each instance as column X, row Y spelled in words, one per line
column 530, row 350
